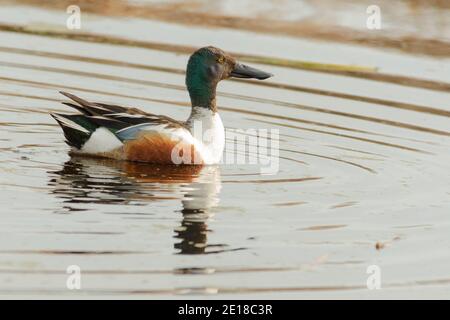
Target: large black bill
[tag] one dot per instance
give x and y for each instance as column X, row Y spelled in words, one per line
column 243, row 71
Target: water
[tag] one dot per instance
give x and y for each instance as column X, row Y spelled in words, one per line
column 362, row 162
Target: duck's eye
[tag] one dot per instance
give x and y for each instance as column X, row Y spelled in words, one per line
column 221, row 60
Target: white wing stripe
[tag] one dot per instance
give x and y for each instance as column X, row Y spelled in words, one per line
column 69, row 123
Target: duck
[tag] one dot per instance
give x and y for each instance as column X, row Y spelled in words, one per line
column 131, row 134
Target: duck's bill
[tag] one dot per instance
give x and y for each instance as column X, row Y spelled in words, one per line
column 243, row 71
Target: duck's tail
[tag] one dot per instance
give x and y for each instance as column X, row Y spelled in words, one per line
column 76, row 127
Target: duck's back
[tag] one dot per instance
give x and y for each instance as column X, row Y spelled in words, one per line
column 127, row 134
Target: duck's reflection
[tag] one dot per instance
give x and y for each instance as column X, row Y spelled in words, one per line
column 102, row 181
column 197, row 202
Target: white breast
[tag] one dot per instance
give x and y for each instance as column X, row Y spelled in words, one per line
column 209, row 134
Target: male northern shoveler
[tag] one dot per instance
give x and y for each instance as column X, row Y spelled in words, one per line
column 131, row 134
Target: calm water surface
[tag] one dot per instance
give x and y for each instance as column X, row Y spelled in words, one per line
column 361, row 162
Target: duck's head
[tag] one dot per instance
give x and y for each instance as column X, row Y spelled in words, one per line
column 209, row 65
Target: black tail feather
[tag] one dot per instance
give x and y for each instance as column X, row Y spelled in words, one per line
column 79, row 108
column 91, row 108
column 76, row 127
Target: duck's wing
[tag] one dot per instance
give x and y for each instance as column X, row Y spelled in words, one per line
column 122, row 122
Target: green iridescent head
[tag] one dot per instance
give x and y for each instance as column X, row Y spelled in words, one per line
column 209, row 65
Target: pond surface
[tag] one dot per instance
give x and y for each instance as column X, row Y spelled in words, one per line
column 364, row 170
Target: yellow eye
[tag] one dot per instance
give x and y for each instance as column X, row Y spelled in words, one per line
column 221, row 60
